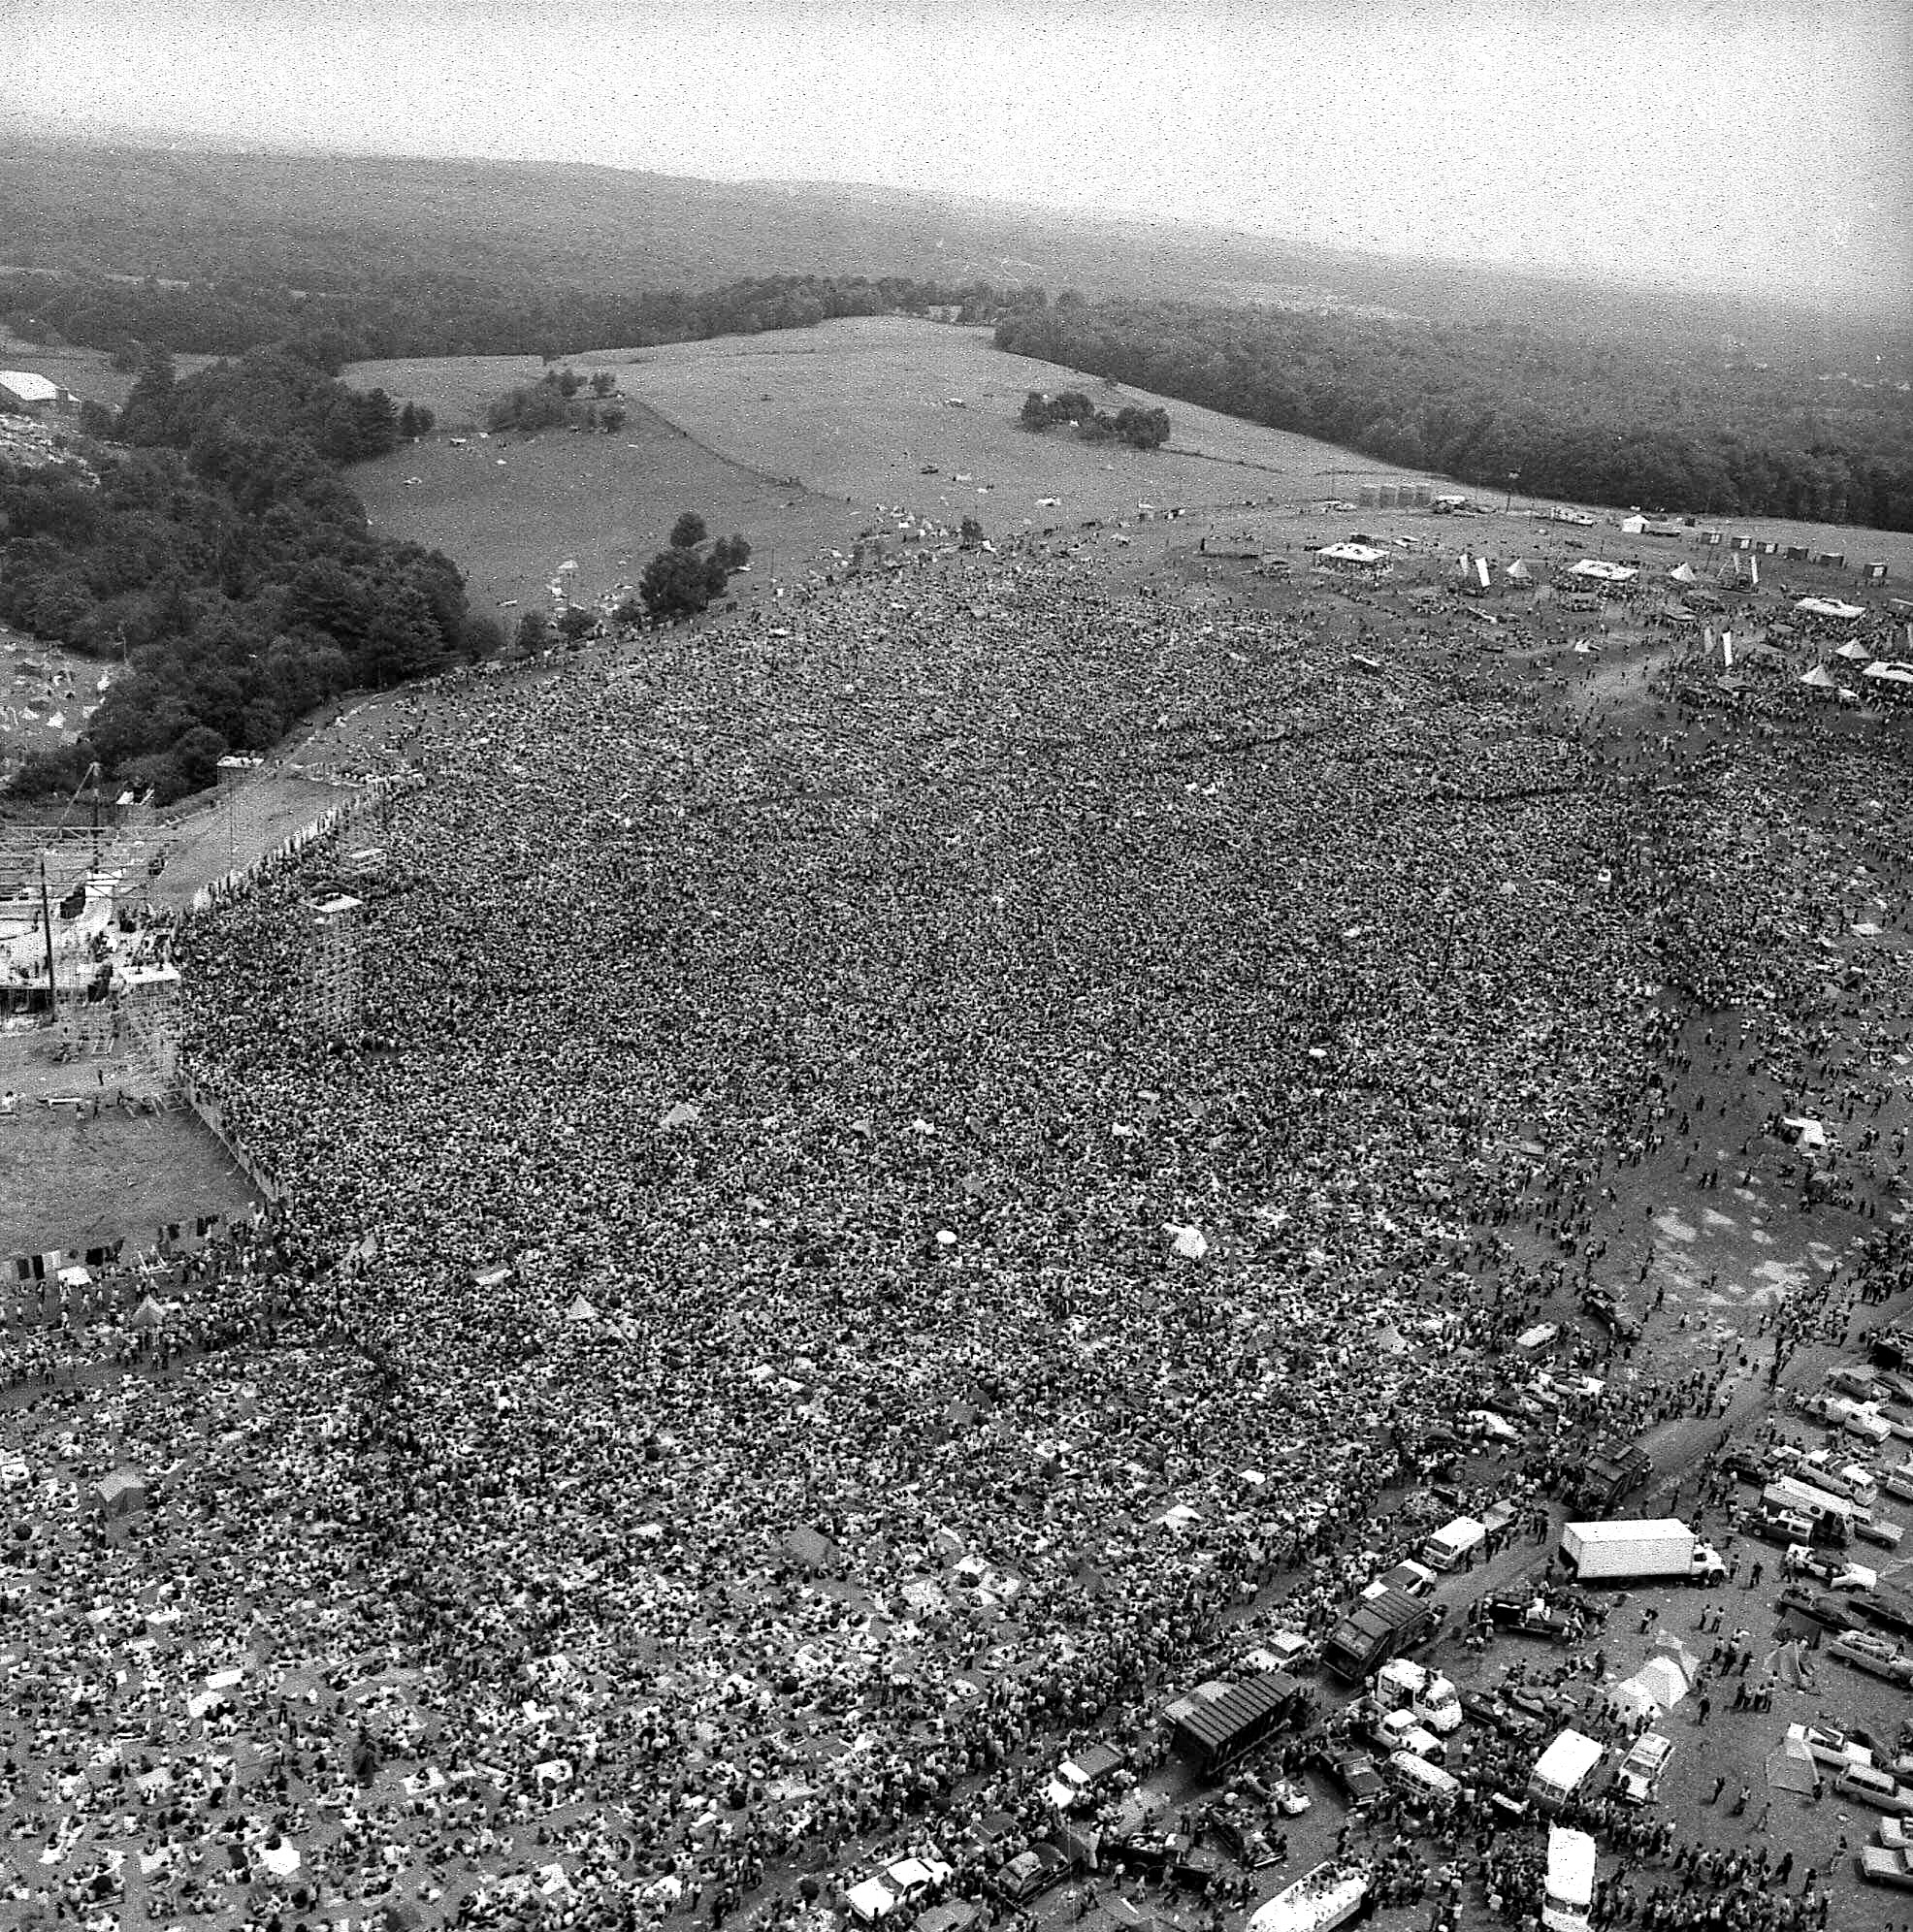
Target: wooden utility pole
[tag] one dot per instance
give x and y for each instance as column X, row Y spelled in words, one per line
column 47, row 914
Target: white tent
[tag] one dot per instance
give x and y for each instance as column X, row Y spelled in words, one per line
column 1598, row 570
column 1855, row 651
column 1829, row 607
column 1519, row 574
column 1818, row 680
column 1633, row 526
column 1683, row 573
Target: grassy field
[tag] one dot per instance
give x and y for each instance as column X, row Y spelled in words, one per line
column 88, row 372
column 67, row 1182
column 511, row 509
column 858, row 411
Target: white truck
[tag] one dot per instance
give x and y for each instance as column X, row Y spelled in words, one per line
column 1403, row 1685
column 1449, row 1547
column 1651, row 1549
column 1569, row 1899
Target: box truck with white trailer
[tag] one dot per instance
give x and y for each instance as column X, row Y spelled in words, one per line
column 1649, row 1550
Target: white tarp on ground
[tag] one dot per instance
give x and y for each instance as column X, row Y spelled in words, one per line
column 1791, row 1768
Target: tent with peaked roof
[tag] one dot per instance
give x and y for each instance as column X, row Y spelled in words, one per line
column 1519, row 574
column 1818, row 680
column 1855, row 651
column 580, row 1310
column 1683, row 573
column 148, row 1314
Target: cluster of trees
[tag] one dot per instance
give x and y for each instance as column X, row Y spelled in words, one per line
column 1594, row 420
column 1142, row 428
column 442, row 314
column 223, row 566
column 682, row 579
column 562, row 399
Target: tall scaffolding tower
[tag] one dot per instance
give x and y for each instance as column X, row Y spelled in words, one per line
column 333, row 980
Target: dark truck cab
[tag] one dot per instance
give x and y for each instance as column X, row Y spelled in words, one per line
column 1377, row 1628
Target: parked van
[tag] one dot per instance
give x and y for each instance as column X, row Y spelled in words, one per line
column 1899, row 1482
column 1416, row 1775
column 1448, row 1547
column 1640, row 1770
column 1561, row 1771
column 1847, row 1479
column 1831, row 1516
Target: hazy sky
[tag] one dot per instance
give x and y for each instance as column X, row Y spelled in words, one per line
column 1763, row 144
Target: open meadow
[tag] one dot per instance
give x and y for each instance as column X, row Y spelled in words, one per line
column 875, row 416
column 511, row 509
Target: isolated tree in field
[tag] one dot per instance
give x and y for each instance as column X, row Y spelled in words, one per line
column 676, row 583
column 534, row 631
column 689, row 532
column 611, row 417
column 577, row 621
column 1035, row 410
column 972, row 533
column 602, row 382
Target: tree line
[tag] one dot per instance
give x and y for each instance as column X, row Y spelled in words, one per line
column 222, row 564
column 1591, row 420
column 439, row 314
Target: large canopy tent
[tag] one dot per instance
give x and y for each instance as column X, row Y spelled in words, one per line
column 1832, row 607
column 1598, row 570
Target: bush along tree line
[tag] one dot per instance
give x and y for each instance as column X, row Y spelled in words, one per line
column 1591, row 420
column 223, row 566
column 437, row 315
column 562, row 399
column 1142, row 428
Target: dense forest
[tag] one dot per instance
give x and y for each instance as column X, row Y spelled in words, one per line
column 1593, row 421
column 439, row 315
column 223, row 566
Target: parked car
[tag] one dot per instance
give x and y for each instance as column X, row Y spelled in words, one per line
column 1887, row 1610
column 1353, row 1774
column 1603, row 1305
column 1802, row 1559
column 1817, row 1609
column 1497, row 1713
column 1873, row 1654
column 1031, row 1874
column 1835, row 1749
column 1242, row 1836
column 1750, row 1464
column 1887, row 1865
column 1774, row 1527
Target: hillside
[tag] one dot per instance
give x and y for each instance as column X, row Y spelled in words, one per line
column 351, row 223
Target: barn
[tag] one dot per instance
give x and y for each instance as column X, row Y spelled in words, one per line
column 24, row 394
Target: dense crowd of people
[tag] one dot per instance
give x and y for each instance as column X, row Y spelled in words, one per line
column 910, row 1156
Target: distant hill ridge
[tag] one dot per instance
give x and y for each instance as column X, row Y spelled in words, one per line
column 352, row 222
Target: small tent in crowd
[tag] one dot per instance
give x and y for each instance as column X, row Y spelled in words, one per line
column 1855, row 651
column 1818, row 680
column 1519, row 574
column 121, row 1493
column 1683, row 573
